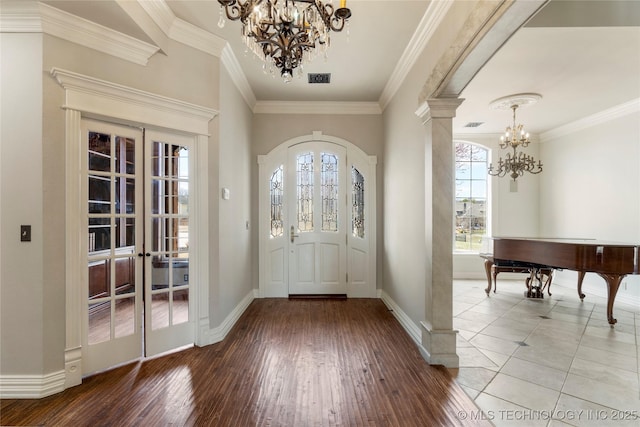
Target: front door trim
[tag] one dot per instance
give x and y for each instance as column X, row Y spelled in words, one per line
column 361, row 252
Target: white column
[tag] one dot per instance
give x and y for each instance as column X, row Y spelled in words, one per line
column 438, row 336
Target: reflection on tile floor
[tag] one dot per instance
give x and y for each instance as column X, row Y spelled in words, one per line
column 549, row 362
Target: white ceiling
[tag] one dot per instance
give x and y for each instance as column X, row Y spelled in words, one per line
column 583, row 57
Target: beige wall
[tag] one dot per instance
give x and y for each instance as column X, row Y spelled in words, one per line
column 33, row 178
column 23, row 327
column 234, row 239
column 588, row 193
column 406, row 263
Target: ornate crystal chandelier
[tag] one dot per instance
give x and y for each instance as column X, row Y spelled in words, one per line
column 284, row 33
column 516, row 163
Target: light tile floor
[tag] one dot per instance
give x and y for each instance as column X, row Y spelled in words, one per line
column 547, row 362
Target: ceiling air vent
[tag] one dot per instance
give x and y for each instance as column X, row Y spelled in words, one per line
column 319, row 77
column 473, row 124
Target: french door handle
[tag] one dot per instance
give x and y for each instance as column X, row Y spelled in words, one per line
column 141, row 254
column 293, row 235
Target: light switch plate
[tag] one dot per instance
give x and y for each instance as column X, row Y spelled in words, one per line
column 25, row 233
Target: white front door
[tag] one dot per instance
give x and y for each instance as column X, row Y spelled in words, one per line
column 317, row 212
column 317, row 222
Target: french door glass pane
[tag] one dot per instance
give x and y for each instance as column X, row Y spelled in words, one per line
column 99, row 194
column 160, row 310
column 99, row 234
column 125, row 317
column 99, row 322
column 99, row 283
column 180, row 306
column 99, row 152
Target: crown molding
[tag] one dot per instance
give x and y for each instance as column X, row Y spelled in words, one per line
column 29, row 18
column 23, row 17
column 89, row 34
column 316, row 107
column 190, row 35
column 232, row 65
column 607, row 115
column 159, row 12
column 432, row 18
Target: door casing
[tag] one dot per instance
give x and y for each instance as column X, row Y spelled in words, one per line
column 274, row 252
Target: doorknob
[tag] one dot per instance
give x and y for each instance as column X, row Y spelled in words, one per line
column 293, row 235
column 141, row 254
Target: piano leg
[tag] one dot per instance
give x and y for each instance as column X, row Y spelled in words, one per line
column 580, row 279
column 547, row 283
column 487, row 268
column 613, row 283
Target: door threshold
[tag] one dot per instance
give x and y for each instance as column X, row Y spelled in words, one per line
column 318, row 296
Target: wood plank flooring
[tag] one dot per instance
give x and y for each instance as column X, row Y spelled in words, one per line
column 285, row 363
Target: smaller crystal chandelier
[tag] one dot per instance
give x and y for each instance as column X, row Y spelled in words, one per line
column 517, row 163
column 284, row 33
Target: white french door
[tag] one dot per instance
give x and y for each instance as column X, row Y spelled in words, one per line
column 136, row 301
column 168, row 305
column 317, row 212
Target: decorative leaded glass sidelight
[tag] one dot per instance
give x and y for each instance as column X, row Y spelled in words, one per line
column 357, row 200
column 304, row 184
column 329, row 191
column 276, row 193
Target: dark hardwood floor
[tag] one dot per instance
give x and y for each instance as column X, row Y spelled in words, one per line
column 285, row 363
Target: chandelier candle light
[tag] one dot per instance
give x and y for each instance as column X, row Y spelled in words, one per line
column 517, row 163
column 284, row 33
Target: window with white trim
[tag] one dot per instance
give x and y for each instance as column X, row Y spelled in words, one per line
column 471, row 199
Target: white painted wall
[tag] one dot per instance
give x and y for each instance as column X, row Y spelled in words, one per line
column 32, row 189
column 405, row 260
column 234, row 240
column 591, row 189
column 22, row 291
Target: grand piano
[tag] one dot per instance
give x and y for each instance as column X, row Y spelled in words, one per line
column 611, row 261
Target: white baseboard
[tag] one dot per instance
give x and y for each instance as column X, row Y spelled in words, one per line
column 218, row 333
column 31, row 386
column 412, row 329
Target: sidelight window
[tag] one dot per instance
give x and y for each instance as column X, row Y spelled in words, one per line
column 276, row 192
column 357, row 203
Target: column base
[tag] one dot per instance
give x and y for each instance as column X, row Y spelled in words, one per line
column 72, row 367
column 439, row 346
